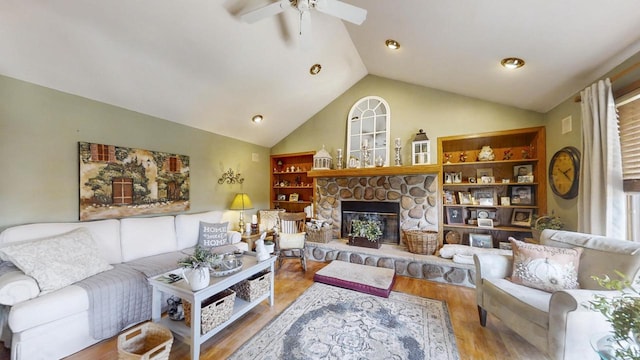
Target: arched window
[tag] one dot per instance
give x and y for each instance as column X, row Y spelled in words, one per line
column 369, row 125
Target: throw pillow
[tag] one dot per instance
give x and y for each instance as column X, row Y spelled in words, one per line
column 57, row 261
column 546, row 268
column 291, row 241
column 213, row 234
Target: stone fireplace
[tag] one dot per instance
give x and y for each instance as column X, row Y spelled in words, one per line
column 415, row 196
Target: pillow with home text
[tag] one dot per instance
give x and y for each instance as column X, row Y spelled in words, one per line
column 213, row 234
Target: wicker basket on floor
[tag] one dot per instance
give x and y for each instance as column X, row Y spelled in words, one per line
column 215, row 310
column 423, row 242
column 145, row 342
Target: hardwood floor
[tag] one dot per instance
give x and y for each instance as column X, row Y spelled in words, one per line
column 474, row 342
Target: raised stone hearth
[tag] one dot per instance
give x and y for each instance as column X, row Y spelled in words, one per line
column 428, row 267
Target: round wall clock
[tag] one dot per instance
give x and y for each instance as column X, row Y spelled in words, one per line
column 564, row 172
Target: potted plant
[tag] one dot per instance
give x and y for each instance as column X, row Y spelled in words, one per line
column 365, row 233
column 623, row 313
column 270, row 246
column 541, row 222
column 195, row 268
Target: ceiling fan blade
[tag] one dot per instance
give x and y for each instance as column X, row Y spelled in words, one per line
column 265, row 11
column 342, row 10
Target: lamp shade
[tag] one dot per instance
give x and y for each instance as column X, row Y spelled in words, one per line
column 241, row 202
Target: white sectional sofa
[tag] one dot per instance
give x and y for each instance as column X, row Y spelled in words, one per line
column 50, row 325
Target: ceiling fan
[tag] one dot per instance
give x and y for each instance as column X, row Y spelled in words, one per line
column 335, row 8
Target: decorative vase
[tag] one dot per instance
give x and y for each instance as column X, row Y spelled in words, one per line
column 198, row 278
column 364, row 242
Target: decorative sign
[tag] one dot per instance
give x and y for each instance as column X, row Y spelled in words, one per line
column 118, row 182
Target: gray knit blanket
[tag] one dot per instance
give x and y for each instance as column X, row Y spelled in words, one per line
column 121, row 297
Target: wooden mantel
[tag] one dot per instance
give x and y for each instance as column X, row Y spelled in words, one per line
column 378, row 171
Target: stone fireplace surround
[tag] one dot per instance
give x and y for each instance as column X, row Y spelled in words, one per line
column 416, row 194
column 417, row 197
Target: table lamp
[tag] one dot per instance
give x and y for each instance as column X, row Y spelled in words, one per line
column 241, row 202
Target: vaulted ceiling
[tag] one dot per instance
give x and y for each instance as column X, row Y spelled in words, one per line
column 194, row 62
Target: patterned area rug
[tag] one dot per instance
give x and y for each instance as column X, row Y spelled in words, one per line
column 328, row 322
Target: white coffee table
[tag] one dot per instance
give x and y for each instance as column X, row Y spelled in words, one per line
column 193, row 335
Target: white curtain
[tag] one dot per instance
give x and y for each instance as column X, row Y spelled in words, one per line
column 601, row 200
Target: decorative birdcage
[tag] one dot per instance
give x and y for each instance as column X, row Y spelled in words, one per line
column 322, row 160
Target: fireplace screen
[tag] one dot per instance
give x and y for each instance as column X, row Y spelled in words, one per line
column 387, row 213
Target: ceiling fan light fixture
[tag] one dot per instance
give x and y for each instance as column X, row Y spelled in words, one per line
column 512, row 63
column 315, row 69
column 392, row 44
column 257, row 119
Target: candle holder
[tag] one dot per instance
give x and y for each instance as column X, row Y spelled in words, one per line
column 339, row 160
column 398, row 160
column 366, row 155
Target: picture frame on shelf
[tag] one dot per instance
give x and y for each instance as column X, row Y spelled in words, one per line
column 282, row 197
column 487, row 180
column 484, row 172
column 522, row 170
column 522, row 195
column 485, row 196
column 457, row 177
column 448, row 178
column 485, row 223
column 505, row 201
column 525, row 179
column 294, row 197
column 449, row 197
column 522, row 217
column 455, row 215
column 465, row 198
column 480, row 240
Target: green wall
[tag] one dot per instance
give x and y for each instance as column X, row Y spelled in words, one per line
column 39, row 133
column 40, row 128
column 413, row 107
column 565, row 209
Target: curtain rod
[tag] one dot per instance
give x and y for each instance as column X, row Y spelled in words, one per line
column 617, row 76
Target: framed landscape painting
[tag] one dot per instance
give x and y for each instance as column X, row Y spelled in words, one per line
column 117, row 182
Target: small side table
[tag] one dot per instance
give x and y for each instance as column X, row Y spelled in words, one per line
column 250, row 239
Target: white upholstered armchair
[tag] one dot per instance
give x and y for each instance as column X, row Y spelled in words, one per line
column 555, row 322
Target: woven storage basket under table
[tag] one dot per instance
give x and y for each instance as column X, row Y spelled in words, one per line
column 215, row 310
column 421, row 241
column 148, row 341
column 322, row 235
column 253, row 287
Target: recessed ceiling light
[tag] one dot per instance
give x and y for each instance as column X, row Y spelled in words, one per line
column 512, row 63
column 315, row 69
column 257, row 118
column 392, row 44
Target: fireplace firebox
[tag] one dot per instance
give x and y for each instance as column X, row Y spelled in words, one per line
column 387, row 213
